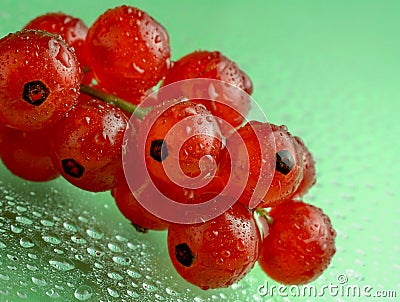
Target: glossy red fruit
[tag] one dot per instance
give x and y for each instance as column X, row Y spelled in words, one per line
column 288, row 167
column 228, row 105
column 216, row 253
column 39, row 82
column 127, row 202
column 128, row 51
column 309, row 173
column 87, row 146
column 300, row 243
column 181, row 142
column 248, row 162
column 27, row 154
column 72, row 30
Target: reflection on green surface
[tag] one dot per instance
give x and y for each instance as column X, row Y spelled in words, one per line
column 328, row 70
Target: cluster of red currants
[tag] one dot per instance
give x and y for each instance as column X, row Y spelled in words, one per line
column 69, row 95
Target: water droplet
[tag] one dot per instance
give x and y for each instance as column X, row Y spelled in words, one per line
column 15, row 229
column 114, row 247
column 122, row 260
column 22, row 295
column 132, row 293
column 83, row 292
column 134, row 274
column 171, row 292
column 26, row 242
column 47, row 223
column 95, row 234
column 62, row 264
column 115, row 276
column 149, row 287
column 95, row 252
column 39, row 281
column 4, row 277
column 23, row 220
column 52, row 239
column 78, row 239
column 2, row 245
column 52, row 293
column 70, row 227
column 113, row 292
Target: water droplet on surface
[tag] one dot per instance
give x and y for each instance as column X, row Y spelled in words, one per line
column 2, row 245
column 115, row 276
column 62, row 264
column 134, row 274
column 95, row 252
column 83, row 292
column 114, row 247
column 15, row 229
column 39, row 281
column 78, row 239
column 23, row 220
column 113, row 292
column 122, row 260
column 95, row 234
column 26, row 242
column 47, row 223
column 52, row 239
column 70, row 227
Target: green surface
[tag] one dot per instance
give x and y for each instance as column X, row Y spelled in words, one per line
column 329, row 70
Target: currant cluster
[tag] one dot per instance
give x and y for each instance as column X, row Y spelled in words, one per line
column 82, row 102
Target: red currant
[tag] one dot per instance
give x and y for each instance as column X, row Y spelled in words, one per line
column 288, row 167
column 299, row 244
column 27, row 154
column 248, row 162
column 87, row 146
column 39, row 82
column 216, row 253
column 129, row 206
column 309, row 174
column 72, row 30
column 227, row 104
column 128, row 51
column 182, row 143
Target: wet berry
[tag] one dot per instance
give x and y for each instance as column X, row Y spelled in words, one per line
column 299, row 245
column 128, row 51
column 87, row 146
column 216, row 253
column 39, row 82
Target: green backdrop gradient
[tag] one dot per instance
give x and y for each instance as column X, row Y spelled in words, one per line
column 329, row 70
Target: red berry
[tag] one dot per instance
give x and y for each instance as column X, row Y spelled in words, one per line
column 87, row 146
column 128, row 51
column 299, row 244
column 309, row 174
column 129, row 206
column 72, row 30
column 216, row 253
column 39, row 82
column 288, row 168
column 227, row 103
column 248, row 162
column 181, row 144
column 27, row 154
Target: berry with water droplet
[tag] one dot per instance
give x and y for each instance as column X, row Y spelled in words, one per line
column 128, row 51
column 72, row 30
column 87, row 146
column 299, row 244
column 39, row 82
column 207, row 254
column 27, row 154
column 225, row 102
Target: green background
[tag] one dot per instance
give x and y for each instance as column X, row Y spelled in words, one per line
column 329, row 70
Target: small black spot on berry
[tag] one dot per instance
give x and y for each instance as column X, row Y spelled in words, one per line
column 35, row 93
column 158, row 150
column 184, row 255
column 72, row 168
column 284, row 162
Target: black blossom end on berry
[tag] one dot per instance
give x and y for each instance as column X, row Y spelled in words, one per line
column 158, row 150
column 184, row 254
column 35, row 92
column 72, row 168
column 140, row 229
column 284, row 162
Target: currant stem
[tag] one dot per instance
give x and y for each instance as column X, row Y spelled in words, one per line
column 139, row 112
column 263, row 213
